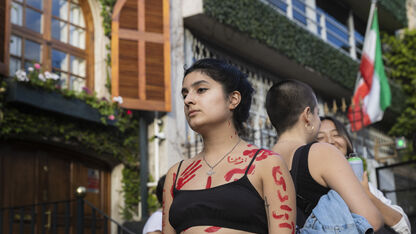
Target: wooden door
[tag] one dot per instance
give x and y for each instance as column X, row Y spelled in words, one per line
column 31, row 174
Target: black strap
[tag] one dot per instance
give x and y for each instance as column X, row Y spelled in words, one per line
column 252, row 160
column 177, row 175
column 304, row 204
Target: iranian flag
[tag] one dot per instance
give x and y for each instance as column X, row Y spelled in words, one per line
column 372, row 92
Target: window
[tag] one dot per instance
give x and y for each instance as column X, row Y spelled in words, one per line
column 52, row 33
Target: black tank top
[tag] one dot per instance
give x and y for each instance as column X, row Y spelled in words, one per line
column 308, row 191
column 236, row 205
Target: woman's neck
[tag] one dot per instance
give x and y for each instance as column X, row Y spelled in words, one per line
column 219, row 139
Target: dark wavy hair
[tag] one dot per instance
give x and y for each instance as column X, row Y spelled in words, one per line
column 231, row 79
column 159, row 189
column 286, row 100
column 342, row 131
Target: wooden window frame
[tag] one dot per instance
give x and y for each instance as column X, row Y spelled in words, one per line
column 48, row 43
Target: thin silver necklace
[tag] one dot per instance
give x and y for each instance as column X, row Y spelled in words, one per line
column 211, row 168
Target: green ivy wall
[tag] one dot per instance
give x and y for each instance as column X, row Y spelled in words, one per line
column 264, row 24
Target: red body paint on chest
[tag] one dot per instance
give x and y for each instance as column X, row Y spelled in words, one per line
column 234, row 171
column 188, row 174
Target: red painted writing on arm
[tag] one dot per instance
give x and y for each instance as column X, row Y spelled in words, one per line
column 287, row 225
column 276, row 216
column 282, row 198
column 280, row 181
column 212, row 229
column 285, row 207
column 234, row 171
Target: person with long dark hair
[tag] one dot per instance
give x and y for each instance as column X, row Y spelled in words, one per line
column 317, row 168
column 333, row 132
column 230, row 186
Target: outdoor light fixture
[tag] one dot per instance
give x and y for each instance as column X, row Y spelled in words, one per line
column 400, row 143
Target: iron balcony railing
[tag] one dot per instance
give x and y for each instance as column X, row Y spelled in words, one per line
column 320, row 23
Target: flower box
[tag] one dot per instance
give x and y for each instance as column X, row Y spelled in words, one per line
column 21, row 93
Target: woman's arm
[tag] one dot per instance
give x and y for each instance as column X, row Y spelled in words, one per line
column 279, row 195
column 167, row 200
column 329, row 167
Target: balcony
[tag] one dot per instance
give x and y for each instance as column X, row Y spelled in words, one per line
column 314, row 19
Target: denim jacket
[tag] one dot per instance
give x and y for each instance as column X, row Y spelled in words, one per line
column 332, row 215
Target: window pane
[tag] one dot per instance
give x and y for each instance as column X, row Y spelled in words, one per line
column 60, row 9
column 78, row 66
column 63, row 82
column 33, row 20
column 77, row 37
column 32, row 51
column 77, row 17
column 59, row 30
column 59, row 60
column 17, row 14
column 35, row 3
column 13, row 66
column 16, row 45
column 76, row 83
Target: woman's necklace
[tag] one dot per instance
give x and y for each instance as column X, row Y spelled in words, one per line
column 211, row 168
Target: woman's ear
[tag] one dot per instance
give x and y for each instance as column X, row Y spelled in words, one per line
column 235, row 99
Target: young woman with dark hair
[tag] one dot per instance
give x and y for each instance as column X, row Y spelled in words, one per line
column 316, row 168
column 333, row 132
column 230, row 186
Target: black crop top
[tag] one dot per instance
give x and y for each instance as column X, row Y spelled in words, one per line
column 236, row 205
column 308, row 191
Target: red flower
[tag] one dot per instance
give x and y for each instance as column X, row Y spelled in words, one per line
column 129, row 112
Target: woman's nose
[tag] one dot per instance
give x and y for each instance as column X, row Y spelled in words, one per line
column 189, row 99
column 331, row 140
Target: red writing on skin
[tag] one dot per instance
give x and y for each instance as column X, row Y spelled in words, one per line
column 276, row 216
column 285, row 225
column 236, row 160
column 234, row 171
column 263, row 154
column 282, row 198
column 212, row 229
column 285, row 207
column 209, row 180
column 188, row 174
column 280, row 181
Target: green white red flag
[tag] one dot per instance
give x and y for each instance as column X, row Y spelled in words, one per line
column 372, row 92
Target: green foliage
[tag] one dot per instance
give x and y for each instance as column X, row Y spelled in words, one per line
column 263, row 23
column 266, row 25
column 119, row 141
column 401, row 58
column 107, row 7
column 131, row 192
column 106, row 12
column 397, row 8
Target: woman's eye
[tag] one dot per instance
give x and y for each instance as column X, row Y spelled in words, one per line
column 201, row 90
